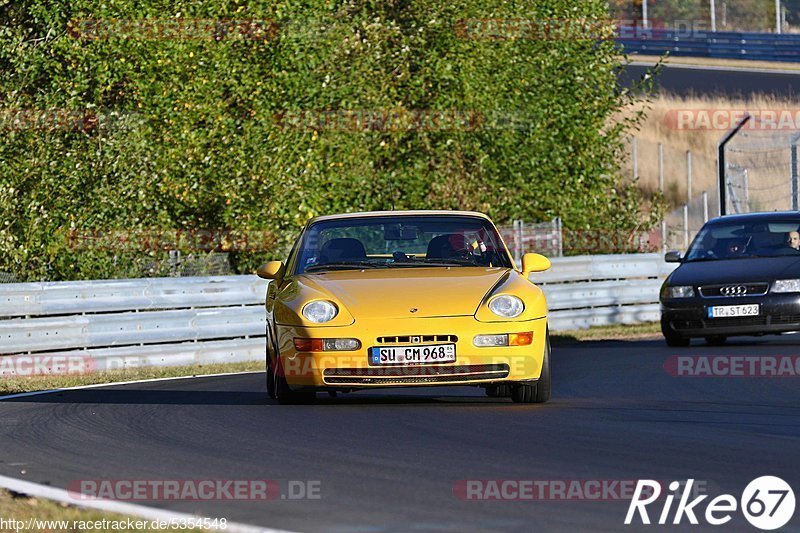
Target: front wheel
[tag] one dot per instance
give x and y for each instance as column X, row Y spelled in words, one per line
column 539, row 392
column 284, row 394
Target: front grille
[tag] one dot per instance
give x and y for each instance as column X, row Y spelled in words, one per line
column 416, row 339
column 413, row 374
column 734, row 290
column 685, row 325
column 786, row 319
column 736, row 321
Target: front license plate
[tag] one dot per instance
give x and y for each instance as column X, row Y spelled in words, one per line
column 404, row 355
column 726, row 311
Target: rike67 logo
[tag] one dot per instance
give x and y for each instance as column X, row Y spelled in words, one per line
column 767, row 503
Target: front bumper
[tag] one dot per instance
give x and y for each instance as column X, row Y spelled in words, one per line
column 352, row 370
column 689, row 317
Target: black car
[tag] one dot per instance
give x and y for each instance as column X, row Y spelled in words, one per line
column 740, row 276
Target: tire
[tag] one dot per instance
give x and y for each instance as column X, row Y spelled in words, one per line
column 716, row 340
column 538, row 392
column 499, row 390
column 270, row 372
column 673, row 339
column 287, row 396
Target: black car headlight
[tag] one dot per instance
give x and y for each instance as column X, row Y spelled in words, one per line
column 786, row 285
column 679, row 291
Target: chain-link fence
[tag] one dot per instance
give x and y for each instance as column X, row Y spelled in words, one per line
column 758, row 169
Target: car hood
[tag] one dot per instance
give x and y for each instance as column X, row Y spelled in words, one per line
column 735, row 271
column 393, row 293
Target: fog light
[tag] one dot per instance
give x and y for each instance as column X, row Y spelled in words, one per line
column 326, row 345
column 486, row 341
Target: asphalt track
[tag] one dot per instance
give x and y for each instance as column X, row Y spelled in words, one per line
column 389, row 460
column 686, row 81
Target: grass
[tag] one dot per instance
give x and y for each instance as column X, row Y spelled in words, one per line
column 762, row 147
column 602, row 333
column 35, row 383
column 22, row 508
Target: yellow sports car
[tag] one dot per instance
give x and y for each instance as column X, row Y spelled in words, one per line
column 405, row 298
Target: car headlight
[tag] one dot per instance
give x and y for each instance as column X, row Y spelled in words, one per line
column 680, row 291
column 786, row 285
column 320, row 311
column 506, row 306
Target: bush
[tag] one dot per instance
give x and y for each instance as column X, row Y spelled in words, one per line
column 122, row 130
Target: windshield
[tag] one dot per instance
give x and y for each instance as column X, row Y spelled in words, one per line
column 400, row 242
column 746, row 239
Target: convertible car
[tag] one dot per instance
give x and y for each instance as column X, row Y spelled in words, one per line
column 405, row 298
column 740, row 276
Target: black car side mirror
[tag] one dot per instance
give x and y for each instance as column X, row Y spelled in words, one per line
column 673, row 257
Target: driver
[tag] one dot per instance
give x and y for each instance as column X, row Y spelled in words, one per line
column 793, row 240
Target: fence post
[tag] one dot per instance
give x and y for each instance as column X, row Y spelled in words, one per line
column 663, row 236
column 723, row 201
column 635, row 157
column 685, row 226
column 661, row 167
column 688, row 175
column 560, row 236
column 705, row 206
column 795, row 170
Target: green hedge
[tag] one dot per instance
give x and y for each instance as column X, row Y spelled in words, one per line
column 145, row 133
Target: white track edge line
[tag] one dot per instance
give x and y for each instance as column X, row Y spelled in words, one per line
column 130, row 509
column 133, row 382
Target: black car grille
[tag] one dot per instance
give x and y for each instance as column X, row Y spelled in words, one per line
column 413, row 374
column 733, row 290
column 686, row 325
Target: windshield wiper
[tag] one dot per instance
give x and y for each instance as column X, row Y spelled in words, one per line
column 346, row 265
column 451, row 262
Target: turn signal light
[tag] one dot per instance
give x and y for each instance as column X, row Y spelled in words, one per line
column 520, row 339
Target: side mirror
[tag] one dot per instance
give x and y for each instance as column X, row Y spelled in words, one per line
column 534, row 263
column 271, row 270
column 673, row 257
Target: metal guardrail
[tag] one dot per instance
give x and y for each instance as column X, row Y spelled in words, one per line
column 178, row 321
column 724, row 45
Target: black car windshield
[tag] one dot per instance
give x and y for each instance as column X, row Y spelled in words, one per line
column 736, row 240
column 401, row 241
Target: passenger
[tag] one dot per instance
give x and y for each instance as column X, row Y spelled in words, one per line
column 793, row 240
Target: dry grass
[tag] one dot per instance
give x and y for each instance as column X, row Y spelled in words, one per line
column 647, row 330
column 716, row 62
column 22, row 509
column 36, row 383
column 661, row 126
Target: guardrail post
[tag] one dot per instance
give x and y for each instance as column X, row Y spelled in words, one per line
column 663, row 236
column 688, row 175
